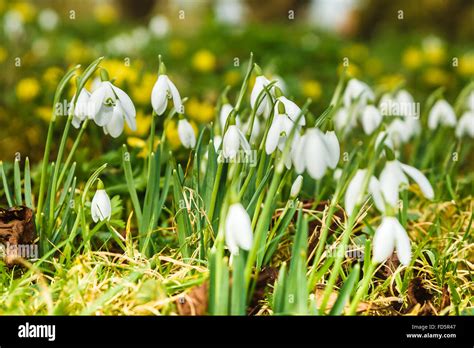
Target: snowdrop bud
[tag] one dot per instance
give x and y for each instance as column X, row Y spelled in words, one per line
column 81, row 110
column 441, row 114
column 354, row 191
column 371, row 119
column 391, row 235
column 317, row 156
column 238, row 229
column 186, row 134
column 233, row 141
column 333, row 149
column 357, row 89
column 226, row 109
column 260, row 83
column 296, row 187
column 163, row 90
column 466, row 125
column 101, row 208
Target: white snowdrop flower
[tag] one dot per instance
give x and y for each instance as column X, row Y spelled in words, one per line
column 186, row 134
column 291, row 110
column 465, row 125
column 238, row 229
column 405, row 104
column 298, row 153
column 356, row 89
column 441, row 114
column 344, row 121
column 296, row 187
column 101, row 208
column 159, row 26
column 82, row 110
column 256, row 128
column 337, row 174
column 355, row 194
column 48, row 19
column 393, row 176
column 277, row 134
column 110, row 106
column 391, row 235
column 260, row 83
column 370, row 119
column 321, row 150
column 233, row 141
column 333, row 148
column 217, row 142
column 163, row 90
column 398, row 132
column 226, row 109
column 386, row 138
column 229, row 11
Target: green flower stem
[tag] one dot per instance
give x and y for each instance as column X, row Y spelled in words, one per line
column 362, row 290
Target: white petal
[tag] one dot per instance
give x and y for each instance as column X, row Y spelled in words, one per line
column 466, row 124
column 374, row 189
column 354, row 191
column 316, row 154
column 100, row 112
column 186, row 134
column 371, row 119
column 231, row 142
column 127, row 106
column 384, row 239
column 224, row 114
column 238, row 222
column 296, row 187
column 116, row 123
column 298, row 153
column 390, row 180
column 292, row 110
column 441, row 113
column 273, row 135
column 333, row 149
column 402, row 243
column 260, row 83
column 81, row 111
column 420, row 179
column 159, row 98
column 101, row 207
column 178, row 105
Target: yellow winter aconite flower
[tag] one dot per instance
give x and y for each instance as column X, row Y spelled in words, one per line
column 43, row 112
column 3, row 54
column 141, row 93
column 202, row 112
column 352, row 70
column 434, row 51
column 436, row 77
column 390, row 82
column 141, row 144
column 232, row 78
column 204, row 61
column 77, row 52
column 373, row 66
column 177, row 48
column 26, row 10
column 52, row 76
column 466, row 64
column 312, row 89
column 143, row 125
column 412, row 58
column 105, row 14
column 27, row 89
column 120, row 72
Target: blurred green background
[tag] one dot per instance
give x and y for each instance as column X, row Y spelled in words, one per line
column 423, row 44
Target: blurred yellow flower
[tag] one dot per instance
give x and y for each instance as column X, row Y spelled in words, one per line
column 44, row 113
column 27, row 89
column 202, row 112
column 434, row 51
column 141, row 144
column 466, row 64
column 77, row 52
column 312, row 89
column 3, row 54
column 52, row 75
column 352, row 70
column 177, row 48
column 143, row 125
column 390, row 82
column 412, row 58
column 232, row 78
column 436, row 77
column 26, row 10
column 141, row 93
column 120, row 72
column 105, row 14
column 204, row 61
column 373, row 66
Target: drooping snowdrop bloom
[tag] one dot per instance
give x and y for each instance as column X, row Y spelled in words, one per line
column 163, row 90
column 391, row 235
column 357, row 90
column 101, row 208
column 110, row 106
column 395, row 174
column 256, row 128
column 238, row 229
column 233, row 141
column 370, row 119
column 315, row 151
column 186, row 134
column 82, row 108
column 296, row 187
column 277, row 134
column 226, row 109
column 441, row 114
column 465, row 125
column 343, row 120
column 355, row 191
column 260, row 83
